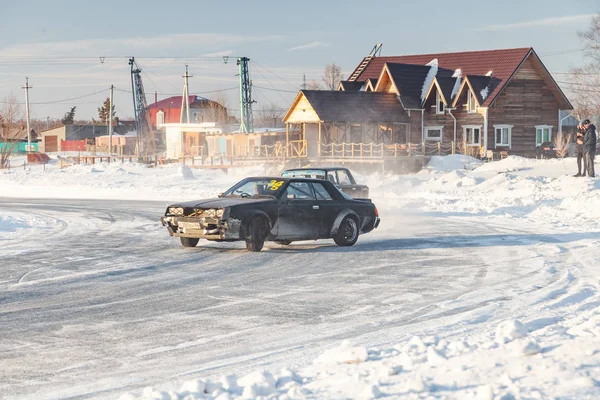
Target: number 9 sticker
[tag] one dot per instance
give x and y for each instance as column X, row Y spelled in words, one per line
column 275, row 185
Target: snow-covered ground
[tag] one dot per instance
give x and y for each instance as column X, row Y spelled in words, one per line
column 481, row 283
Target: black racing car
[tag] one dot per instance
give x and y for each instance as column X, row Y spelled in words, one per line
column 340, row 177
column 278, row 209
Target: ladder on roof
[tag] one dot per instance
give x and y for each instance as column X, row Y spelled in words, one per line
column 374, row 52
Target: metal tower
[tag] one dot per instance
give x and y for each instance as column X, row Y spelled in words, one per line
column 142, row 122
column 247, row 121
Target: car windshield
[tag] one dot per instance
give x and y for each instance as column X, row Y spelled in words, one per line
column 255, row 187
column 305, row 173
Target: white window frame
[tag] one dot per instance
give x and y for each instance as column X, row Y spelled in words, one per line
column 542, row 127
column 471, row 98
column 160, row 115
column 465, row 127
column 434, row 128
column 438, row 101
column 500, row 127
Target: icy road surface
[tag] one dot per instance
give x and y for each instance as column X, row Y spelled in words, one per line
column 96, row 299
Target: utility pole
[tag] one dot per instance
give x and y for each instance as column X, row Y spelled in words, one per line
column 247, row 120
column 27, row 87
column 47, row 123
column 110, row 127
column 185, row 100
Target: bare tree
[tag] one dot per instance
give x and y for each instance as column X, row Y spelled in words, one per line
column 11, row 129
column 217, row 108
column 314, row 85
column 585, row 80
column 332, row 76
column 561, row 144
column 271, row 114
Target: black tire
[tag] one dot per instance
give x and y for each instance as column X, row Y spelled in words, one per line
column 189, row 242
column 283, row 242
column 257, row 232
column 347, row 233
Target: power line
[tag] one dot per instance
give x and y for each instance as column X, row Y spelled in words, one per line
column 276, row 90
column 57, row 101
column 273, row 73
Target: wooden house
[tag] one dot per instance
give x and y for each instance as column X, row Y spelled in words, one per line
column 168, row 111
column 499, row 100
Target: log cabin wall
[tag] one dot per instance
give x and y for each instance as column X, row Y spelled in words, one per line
column 525, row 102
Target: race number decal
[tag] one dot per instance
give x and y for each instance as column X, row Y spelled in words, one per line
column 275, row 185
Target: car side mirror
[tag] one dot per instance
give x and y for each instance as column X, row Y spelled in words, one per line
column 220, row 195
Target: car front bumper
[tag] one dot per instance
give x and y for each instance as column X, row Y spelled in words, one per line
column 201, row 228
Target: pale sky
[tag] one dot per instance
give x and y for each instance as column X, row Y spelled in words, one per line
column 59, row 45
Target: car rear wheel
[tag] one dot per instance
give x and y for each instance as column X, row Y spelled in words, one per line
column 189, row 242
column 283, row 242
column 258, row 230
column 347, row 233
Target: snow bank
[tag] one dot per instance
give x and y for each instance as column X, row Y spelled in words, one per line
column 533, row 365
column 129, row 181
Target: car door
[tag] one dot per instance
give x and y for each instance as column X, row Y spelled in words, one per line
column 299, row 216
column 328, row 206
column 346, row 184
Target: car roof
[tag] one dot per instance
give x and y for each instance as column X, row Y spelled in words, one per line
column 279, row 178
column 319, row 168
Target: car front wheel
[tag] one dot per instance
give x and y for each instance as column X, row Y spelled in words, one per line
column 347, row 233
column 189, row 242
column 258, row 230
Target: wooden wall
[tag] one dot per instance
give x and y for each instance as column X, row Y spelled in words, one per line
column 302, row 112
column 525, row 102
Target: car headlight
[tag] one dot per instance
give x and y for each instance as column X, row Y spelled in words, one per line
column 220, row 212
column 212, row 213
column 177, row 211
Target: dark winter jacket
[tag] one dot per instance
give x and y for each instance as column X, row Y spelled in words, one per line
column 589, row 140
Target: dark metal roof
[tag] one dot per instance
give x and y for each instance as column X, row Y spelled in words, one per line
column 447, row 85
column 409, row 80
column 359, row 107
column 504, row 63
column 352, row 86
column 480, row 83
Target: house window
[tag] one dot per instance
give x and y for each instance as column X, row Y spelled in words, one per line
column 195, row 116
column 472, row 135
column 503, row 135
column 434, row 133
column 543, row 133
column 439, row 104
column 471, row 102
column 160, row 118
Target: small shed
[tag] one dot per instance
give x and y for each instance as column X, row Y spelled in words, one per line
column 183, row 139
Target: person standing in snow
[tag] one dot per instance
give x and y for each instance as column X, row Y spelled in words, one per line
column 579, row 149
column 589, row 147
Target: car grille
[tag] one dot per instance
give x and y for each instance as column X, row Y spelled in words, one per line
column 200, row 213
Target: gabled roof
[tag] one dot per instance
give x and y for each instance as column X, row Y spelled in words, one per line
column 504, row 63
column 350, row 86
column 446, row 85
column 408, row 78
column 370, row 84
column 359, row 107
column 175, row 102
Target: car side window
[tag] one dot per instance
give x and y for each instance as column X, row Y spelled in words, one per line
column 343, row 177
column 299, row 191
column 321, row 192
column 332, row 178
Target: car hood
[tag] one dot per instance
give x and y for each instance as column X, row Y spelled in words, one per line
column 221, row 202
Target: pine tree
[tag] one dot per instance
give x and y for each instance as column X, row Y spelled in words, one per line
column 103, row 111
column 69, row 117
